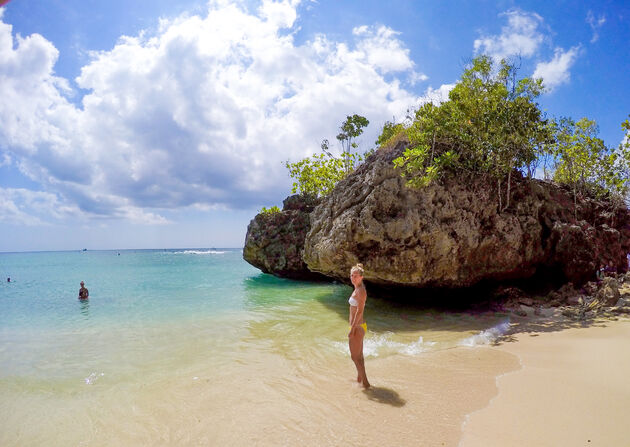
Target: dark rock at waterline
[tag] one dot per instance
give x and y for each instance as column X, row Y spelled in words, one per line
column 274, row 241
column 452, row 234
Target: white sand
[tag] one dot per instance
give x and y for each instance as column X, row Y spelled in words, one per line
column 573, row 390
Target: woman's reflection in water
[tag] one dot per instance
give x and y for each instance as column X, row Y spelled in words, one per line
column 85, row 307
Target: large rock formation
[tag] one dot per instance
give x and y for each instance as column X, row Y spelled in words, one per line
column 452, row 234
column 275, row 241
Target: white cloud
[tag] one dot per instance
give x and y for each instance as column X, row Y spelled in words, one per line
column 280, row 13
column 202, row 113
column 30, row 92
column 595, row 24
column 142, row 217
column 521, row 36
column 556, row 71
column 11, row 213
column 25, row 207
column 6, row 160
column 382, row 49
column 438, row 95
column 415, row 77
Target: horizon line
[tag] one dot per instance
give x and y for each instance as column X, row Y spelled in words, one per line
column 121, row 249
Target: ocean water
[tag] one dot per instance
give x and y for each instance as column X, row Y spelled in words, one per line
column 168, row 332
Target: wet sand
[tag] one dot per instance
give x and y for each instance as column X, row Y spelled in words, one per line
column 573, row 389
column 270, row 400
column 421, row 400
column 553, row 383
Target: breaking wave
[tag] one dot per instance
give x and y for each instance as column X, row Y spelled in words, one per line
column 488, row 336
column 383, row 345
column 199, row 252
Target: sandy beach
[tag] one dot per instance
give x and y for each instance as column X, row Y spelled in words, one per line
column 572, row 388
column 550, row 384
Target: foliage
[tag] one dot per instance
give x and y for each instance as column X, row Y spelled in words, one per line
column 583, row 162
column 350, row 129
column 578, row 153
column 318, row 175
column 489, row 125
column 390, row 130
column 269, row 211
column 624, row 156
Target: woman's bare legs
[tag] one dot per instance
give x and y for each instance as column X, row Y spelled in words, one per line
column 355, row 342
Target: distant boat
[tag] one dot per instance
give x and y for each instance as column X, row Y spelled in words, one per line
column 85, row 249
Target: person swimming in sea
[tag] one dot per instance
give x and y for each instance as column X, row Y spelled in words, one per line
column 358, row 327
column 84, row 294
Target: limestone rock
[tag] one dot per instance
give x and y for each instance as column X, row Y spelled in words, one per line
column 452, row 233
column 549, row 312
column 591, row 288
column 528, row 310
column 526, row 301
column 574, row 300
column 608, row 293
column 620, row 310
column 274, row 241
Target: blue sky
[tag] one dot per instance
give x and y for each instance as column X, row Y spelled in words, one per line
column 157, row 124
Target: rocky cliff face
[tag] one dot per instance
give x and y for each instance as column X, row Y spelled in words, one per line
column 275, row 241
column 452, row 234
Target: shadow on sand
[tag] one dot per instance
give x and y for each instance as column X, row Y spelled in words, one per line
column 533, row 326
column 384, row 396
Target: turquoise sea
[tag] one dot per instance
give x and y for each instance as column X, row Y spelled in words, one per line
column 167, row 335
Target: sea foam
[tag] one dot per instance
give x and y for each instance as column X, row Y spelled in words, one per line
column 488, row 336
column 383, row 345
column 199, row 252
column 89, row 380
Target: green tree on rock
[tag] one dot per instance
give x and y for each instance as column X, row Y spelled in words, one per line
column 585, row 164
column 351, row 128
column 317, row 175
column 490, row 125
column 390, row 131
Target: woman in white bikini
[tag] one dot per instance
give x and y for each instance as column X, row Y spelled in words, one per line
column 358, row 327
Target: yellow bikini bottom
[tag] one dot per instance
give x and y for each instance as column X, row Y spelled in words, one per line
column 364, row 326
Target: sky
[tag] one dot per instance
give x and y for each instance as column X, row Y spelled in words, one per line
column 166, row 124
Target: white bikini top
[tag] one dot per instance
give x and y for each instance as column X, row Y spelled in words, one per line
column 352, row 301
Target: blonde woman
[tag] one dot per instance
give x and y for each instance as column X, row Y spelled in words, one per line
column 358, row 327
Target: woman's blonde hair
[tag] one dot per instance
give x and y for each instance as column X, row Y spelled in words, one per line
column 357, row 268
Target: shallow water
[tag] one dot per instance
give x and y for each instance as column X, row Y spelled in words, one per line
column 167, row 334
